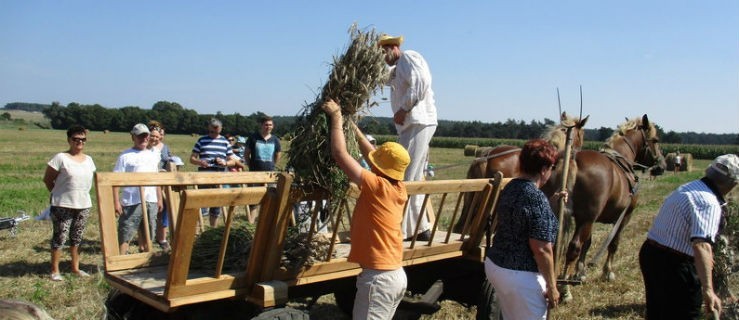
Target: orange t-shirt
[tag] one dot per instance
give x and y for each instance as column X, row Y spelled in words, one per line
column 377, row 241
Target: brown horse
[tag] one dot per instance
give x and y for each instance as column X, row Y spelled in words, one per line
column 504, row 158
column 604, row 187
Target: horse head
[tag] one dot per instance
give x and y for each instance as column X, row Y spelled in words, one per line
column 643, row 143
column 651, row 152
column 557, row 134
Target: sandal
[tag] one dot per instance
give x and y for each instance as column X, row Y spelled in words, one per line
column 56, row 277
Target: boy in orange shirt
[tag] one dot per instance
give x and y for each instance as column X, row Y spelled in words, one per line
column 377, row 239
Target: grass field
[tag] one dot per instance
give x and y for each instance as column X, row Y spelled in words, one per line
column 24, row 259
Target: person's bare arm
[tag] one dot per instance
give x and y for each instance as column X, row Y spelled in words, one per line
column 195, row 159
column 50, row 177
column 544, row 256
column 343, row 159
column 704, row 268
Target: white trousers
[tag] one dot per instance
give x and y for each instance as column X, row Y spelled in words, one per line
column 520, row 293
column 415, row 139
column 379, row 293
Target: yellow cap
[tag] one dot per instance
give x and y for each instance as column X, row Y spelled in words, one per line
column 391, row 159
column 387, row 39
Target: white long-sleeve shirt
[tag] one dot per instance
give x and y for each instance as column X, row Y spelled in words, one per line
column 410, row 85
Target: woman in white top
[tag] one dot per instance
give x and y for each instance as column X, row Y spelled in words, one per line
column 69, row 179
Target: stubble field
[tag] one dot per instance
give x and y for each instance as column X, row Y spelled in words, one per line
column 24, row 258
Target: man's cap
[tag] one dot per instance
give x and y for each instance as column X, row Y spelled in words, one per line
column 387, row 39
column 391, row 159
column 370, row 138
column 140, row 129
column 240, row 140
column 726, row 165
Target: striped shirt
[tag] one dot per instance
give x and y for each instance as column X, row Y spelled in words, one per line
column 693, row 211
column 211, row 148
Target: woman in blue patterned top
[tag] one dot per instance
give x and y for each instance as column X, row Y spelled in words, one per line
column 520, row 264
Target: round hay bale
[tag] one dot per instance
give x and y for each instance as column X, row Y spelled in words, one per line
column 482, row 152
column 21, row 128
column 670, row 161
column 193, row 134
column 106, row 131
column 469, row 150
column 687, row 162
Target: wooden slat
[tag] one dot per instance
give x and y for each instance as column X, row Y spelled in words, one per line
column 445, row 186
column 106, row 220
column 204, row 198
column 183, row 178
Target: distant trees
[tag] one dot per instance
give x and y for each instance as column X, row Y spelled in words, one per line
column 177, row 119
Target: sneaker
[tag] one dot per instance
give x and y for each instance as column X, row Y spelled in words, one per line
column 56, row 277
column 164, row 245
column 82, row 274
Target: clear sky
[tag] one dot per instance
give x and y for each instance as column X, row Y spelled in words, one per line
column 677, row 61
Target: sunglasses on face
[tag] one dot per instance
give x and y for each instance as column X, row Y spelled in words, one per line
column 79, row 140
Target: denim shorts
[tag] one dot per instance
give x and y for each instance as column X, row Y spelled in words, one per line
column 130, row 221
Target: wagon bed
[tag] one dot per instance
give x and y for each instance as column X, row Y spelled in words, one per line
column 166, row 282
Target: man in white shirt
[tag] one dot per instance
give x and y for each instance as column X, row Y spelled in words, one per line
column 414, row 114
column 128, row 207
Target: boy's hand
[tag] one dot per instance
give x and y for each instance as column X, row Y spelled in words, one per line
column 331, row 107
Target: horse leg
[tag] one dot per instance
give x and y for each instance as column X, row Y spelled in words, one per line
column 608, row 273
column 580, row 269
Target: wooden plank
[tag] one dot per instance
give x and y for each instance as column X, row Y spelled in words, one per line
column 445, row 186
column 204, row 198
column 284, row 211
column 136, row 260
column 270, row 293
column 179, row 262
column 204, row 285
column 106, row 220
column 436, row 257
column 122, row 179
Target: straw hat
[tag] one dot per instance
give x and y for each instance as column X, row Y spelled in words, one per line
column 387, row 39
column 391, row 159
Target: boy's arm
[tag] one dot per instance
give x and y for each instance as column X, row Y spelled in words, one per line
column 343, row 159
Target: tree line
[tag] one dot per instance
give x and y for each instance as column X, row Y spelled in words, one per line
column 180, row 120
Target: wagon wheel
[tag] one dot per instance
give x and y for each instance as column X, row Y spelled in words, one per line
column 282, row 314
column 488, row 307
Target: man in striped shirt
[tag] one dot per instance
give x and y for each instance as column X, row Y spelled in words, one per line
column 676, row 260
column 212, row 152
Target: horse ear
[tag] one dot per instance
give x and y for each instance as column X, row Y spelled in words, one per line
column 645, row 120
column 563, row 116
column 583, row 121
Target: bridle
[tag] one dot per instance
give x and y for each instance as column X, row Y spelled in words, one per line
column 646, row 149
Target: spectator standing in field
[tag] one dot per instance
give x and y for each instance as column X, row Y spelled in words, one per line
column 520, row 264
column 678, row 161
column 68, row 177
column 377, row 242
column 156, row 144
column 263, row 149
column 676, row 260
column 212, row 153
column 414, row 114
column 128, row 204
column 373, row 142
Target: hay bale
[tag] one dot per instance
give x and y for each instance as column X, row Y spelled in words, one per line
column 106, row 131
column 21, row 128
column 482, row 152
column 469, row 150
column 355, row 77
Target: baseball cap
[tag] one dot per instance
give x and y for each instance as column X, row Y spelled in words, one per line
column 140, row 129
column 727, row 165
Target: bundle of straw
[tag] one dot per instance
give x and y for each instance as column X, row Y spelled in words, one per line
column 355, row 77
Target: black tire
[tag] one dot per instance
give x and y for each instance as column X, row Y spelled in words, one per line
column 488, row 307
column 120, row 306
column 283, row 314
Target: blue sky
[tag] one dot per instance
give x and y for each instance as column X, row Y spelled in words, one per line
column 677, row 61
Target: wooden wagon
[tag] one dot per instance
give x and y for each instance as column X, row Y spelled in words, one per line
column 448, row 265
